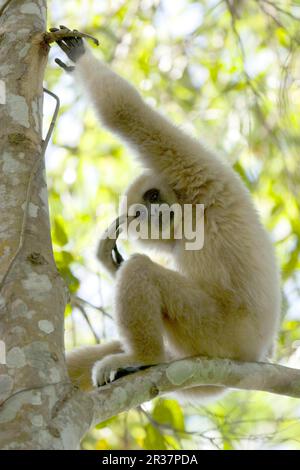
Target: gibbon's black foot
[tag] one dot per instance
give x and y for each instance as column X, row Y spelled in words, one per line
column 125, row 371
column 129, row 370
column 72, row 47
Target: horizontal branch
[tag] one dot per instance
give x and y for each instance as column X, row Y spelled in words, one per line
column 135, row 389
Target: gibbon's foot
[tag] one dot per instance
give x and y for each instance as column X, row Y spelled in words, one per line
column 114, row 367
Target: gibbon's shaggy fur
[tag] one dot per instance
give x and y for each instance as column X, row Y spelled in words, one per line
column 221, row 301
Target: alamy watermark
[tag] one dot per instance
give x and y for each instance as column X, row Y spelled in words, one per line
column 160, row 222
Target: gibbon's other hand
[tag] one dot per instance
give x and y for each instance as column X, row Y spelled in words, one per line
column 108, row 252
column 72, row 47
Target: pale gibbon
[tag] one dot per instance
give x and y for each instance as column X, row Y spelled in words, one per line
column 221, row 301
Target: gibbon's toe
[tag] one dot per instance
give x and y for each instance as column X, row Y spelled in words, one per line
column 114, row 367
column 129, row 370
column 102, row 374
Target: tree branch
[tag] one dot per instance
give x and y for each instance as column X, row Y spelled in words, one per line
column 89, row 304
column 85, row 316
column 53, row 120
column 133, row 390
column 281, row 10
column 80, row 411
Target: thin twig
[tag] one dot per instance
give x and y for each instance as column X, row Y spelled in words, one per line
column 277, row 21
column 159, row 426
column 53, row 120
column 100, row 309
column 38, row 387
column 54, row 36
column 281, row 10
column 74, row 331
column 24, row 222
column 165, row 427
column 85, row 316
column 257, row 95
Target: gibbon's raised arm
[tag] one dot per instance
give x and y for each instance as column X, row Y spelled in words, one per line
column 161, row 145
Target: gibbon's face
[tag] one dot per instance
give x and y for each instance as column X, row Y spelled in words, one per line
column 150, row 205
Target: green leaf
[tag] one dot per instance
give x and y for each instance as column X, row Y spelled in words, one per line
column 169, row 412
column 154, row 440
column 68, row 310
column 59, row 235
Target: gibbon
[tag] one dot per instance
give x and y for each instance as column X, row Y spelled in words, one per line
column 220, row 301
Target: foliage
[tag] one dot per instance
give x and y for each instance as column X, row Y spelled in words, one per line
column 225, row 70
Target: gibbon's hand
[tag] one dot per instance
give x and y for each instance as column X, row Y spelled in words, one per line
column 108, row 252
column 72, row 47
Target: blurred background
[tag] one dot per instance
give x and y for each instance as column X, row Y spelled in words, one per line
column 228, row 72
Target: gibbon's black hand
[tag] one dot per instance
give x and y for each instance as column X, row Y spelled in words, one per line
column 67, row 68
column 115, row 254
column 72, row 47
column 108, row 251
column 117, row 257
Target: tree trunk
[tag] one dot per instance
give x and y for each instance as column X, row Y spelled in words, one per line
column 32, row 294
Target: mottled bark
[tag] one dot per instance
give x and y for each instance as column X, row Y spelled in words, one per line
column 32, row 294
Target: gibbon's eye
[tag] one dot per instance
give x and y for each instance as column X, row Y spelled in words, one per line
column 152, row 195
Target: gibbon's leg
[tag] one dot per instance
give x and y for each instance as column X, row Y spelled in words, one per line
column 150, row 301
column 81, row 360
